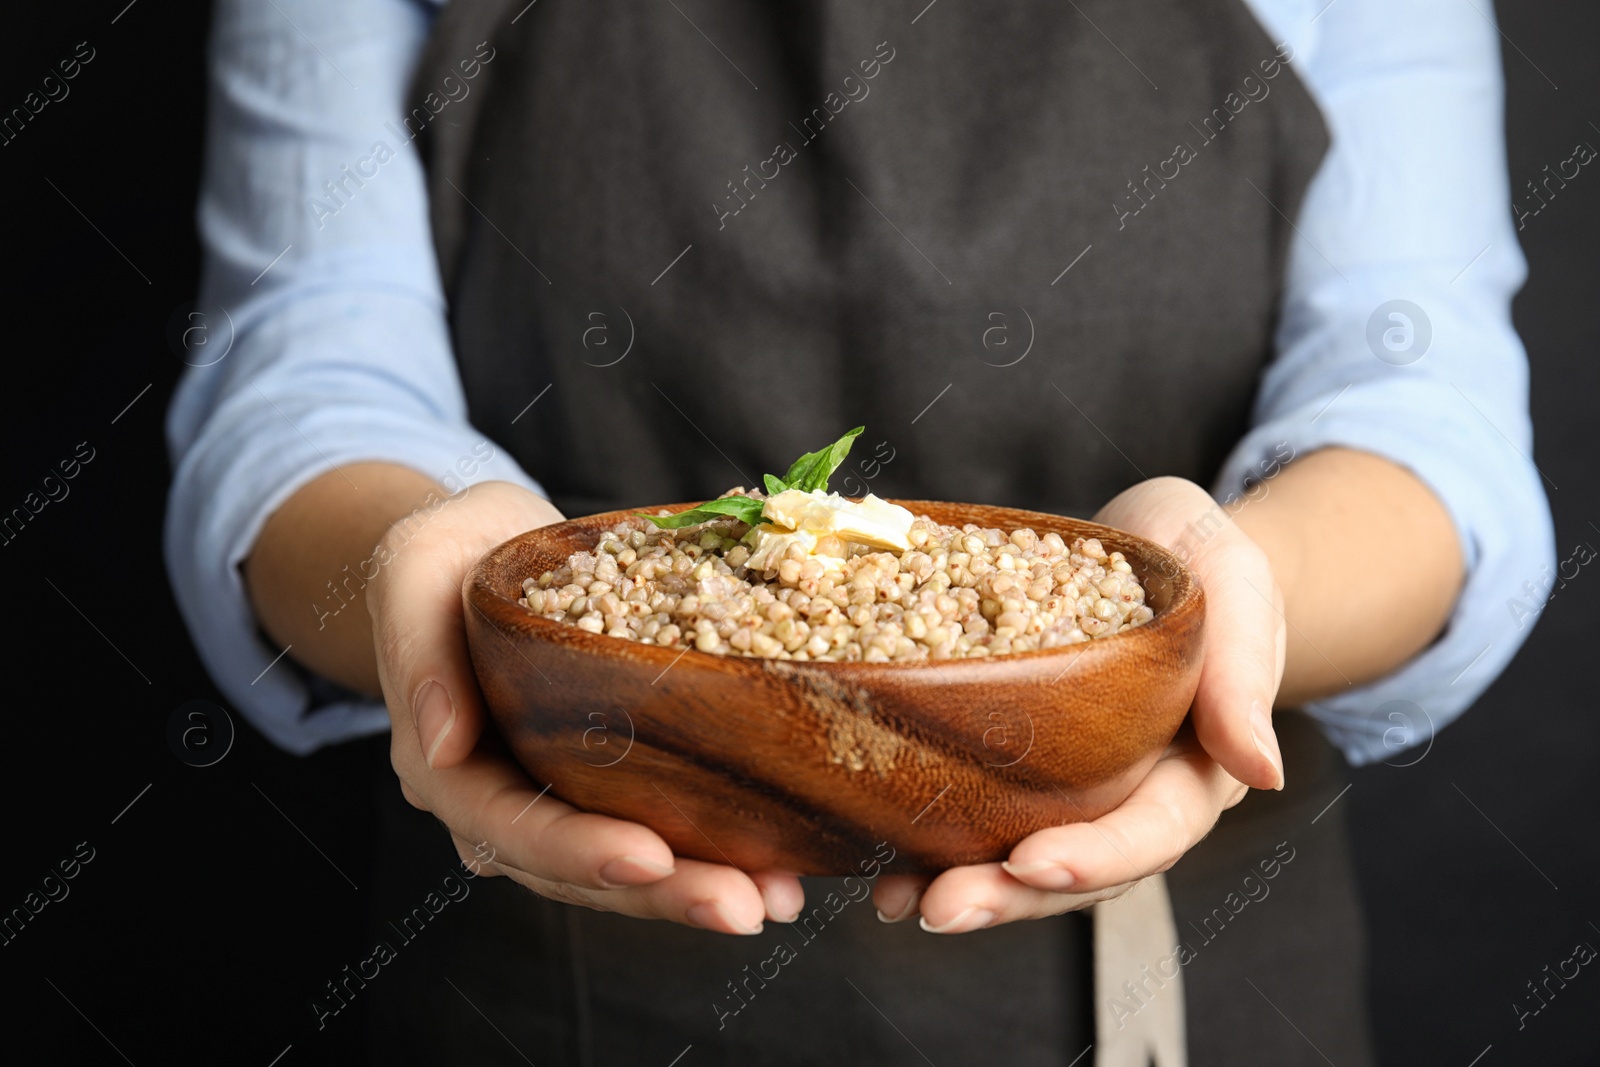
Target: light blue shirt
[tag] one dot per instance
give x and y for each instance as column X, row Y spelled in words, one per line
column 337, row 349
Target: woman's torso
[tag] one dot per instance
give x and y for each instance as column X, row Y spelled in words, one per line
column 1037, row 260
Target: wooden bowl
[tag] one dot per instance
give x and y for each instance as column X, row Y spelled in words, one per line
column 818, row 768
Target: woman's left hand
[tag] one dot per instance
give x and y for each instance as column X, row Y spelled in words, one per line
column 1226, row 745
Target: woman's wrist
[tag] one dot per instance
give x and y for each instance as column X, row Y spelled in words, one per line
column 306, row 577
column 1367, row 559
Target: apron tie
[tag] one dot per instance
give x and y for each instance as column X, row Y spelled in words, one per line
column 1138, row 980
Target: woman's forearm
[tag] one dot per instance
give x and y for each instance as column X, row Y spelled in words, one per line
column 307, row 573
column 1368, row 562
column 1366, row 556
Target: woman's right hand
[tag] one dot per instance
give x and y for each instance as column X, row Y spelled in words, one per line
column 496, row 814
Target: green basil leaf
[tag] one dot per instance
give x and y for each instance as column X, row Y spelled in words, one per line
column 811, row 471
column 745, row 508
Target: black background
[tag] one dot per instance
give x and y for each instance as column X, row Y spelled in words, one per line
column 206, row 921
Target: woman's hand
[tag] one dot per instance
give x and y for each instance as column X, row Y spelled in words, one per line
column 1227, row 744
column 497, row 816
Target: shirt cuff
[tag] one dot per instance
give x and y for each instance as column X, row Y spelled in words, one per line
column 1494, row 496
column 260, row 445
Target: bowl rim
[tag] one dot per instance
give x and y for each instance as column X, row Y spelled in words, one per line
column 1187, row 600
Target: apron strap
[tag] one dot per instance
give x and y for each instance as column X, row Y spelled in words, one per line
column 1138, row 980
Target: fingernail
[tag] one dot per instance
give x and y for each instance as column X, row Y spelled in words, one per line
column 710, row 915
column 1266, row 741
column 435, row 715
column 791, row 917
column 631, row 870
column 973, row 918
column 767, row 894
column 1046, row 874
column 911, row 906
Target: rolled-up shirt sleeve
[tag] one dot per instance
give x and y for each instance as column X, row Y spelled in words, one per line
column 1396, row 336
column 319, row 339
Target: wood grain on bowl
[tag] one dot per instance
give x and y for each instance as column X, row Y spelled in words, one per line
column 808, row 766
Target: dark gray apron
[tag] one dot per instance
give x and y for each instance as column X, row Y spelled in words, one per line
column 1036, row 249
column 911, row 252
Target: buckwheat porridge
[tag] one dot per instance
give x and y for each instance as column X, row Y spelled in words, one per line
column 798, row 573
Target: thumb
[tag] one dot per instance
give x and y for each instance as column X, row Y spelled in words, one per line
column 1245, row 630
column 421, row 645
column 1246, row 640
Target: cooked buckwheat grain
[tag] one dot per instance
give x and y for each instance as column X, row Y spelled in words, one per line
column 957, row 592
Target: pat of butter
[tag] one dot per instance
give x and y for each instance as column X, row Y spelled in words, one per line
column 769, row 545
column 798, row 517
